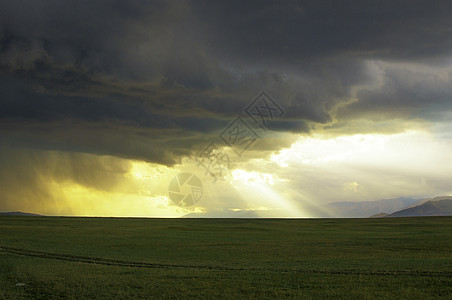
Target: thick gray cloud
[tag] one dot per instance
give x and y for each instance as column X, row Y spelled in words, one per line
column 156, row 80
column 405, row 91
column 300, row 31
column 28, row 177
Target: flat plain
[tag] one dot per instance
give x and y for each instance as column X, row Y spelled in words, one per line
column 126, row 258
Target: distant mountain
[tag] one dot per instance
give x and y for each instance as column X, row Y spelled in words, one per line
column 380, row 215
column 19, row 214
column 369, row 208
column 439, row 206
column 238, row 214
column 224, row 214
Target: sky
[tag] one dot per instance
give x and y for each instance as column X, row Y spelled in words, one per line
column 276, row 108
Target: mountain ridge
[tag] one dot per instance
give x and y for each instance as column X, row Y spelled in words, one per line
column 365, row 209
column 438, row 206
column 19, row 214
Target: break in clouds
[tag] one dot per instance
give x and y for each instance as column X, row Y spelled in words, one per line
column 156, row 81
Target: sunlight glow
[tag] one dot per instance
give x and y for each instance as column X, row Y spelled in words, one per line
column 259, row 190
column 252, row 178
column 143, row 170
column 403, row 151
column 318, row 150
column 84, row 201
column 296, row 182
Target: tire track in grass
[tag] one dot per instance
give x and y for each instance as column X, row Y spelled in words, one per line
column 98, row 260
column 123, row 263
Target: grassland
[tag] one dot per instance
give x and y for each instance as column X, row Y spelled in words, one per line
column 105, row 258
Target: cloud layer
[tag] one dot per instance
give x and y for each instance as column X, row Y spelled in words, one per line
column 158, row 80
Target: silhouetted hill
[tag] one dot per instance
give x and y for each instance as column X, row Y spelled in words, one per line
column 380, row 215
column 439, row 206
column 19, row 214
column 237, row 214
column 368, row 208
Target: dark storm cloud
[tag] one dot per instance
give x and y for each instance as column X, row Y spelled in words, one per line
column 406, row 91
column 156, row 80
column 28, row 177
column 293, row 31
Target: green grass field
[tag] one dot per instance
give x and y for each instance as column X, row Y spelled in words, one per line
column 106, row 258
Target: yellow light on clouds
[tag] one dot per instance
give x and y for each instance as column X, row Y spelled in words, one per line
column 404, row 151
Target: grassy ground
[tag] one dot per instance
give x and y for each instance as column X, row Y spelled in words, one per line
column 103, row 258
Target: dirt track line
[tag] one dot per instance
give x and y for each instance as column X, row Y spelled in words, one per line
column 121, row 263
column 99, row 261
